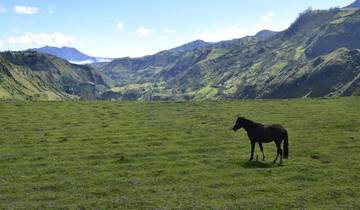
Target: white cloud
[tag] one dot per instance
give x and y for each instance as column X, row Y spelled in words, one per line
column 27, row 10
column 82, row 62
column 144, row 32
column 2, row 9
column 120, row 26
column 103, row 60
column 169, row 31
column 1, row 42
column 54, row 39
column 226, row 33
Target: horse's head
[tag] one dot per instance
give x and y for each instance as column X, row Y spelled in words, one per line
column 238, row 124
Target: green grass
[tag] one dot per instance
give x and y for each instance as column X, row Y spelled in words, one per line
column 215, row 53
column 299, row 52
column 278, row 66
column 177, row 155
column 205, row 93
column 3, row 93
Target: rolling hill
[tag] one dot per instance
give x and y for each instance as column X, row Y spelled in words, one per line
column 318, row 55
column 30, row 75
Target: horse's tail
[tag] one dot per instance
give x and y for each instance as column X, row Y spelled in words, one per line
column 286, row 145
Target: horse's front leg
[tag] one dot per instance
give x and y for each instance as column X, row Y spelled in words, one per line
column 262, row 150
column 252, row 150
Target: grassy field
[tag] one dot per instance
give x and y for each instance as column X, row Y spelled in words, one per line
column 177, row 155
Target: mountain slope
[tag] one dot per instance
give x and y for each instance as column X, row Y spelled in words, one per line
column 37, row 76
column 355, row 4
column 282, row 65
column 265, row 34
column 335, row 74
column 71, row 54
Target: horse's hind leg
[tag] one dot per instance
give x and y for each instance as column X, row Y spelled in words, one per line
column 279, row 152
column 262, row 150
column 278, row 145
column 277, row 155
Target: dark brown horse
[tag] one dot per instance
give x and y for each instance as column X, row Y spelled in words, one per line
column 259, row 133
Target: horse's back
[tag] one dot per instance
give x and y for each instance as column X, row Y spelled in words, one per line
column 267, row 133
column 278, row 127
column 278, row 130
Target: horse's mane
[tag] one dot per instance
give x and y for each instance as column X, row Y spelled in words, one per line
column 249, row 122
column 246, row 120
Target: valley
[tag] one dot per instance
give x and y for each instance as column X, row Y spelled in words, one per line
column 317, row 56
column 112, row 106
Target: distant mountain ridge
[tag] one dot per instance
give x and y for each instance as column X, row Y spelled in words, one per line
column 190, row 46
column 71, row 54
column 265, row 34
column 318, row 55
column 355, row 4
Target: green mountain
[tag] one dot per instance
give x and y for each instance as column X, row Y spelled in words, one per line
column 316, row 56
column 35, row 76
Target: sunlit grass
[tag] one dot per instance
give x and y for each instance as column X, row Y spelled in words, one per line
column 177, row 155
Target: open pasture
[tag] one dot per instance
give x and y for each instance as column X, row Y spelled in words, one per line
column 177, row 155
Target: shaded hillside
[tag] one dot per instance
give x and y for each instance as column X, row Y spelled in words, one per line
column 36, row 76
column 336, row 74
column 316, row 56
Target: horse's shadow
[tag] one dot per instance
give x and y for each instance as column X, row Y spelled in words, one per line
column 258, row 164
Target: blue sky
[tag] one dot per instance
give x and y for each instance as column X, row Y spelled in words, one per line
column 118, row 28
